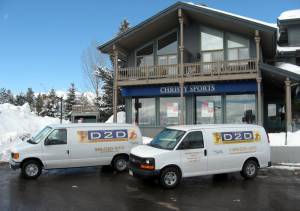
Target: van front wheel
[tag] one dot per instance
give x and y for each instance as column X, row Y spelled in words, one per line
column 120, row 163
column 31, row 169
column 170, row 177
column 250, row 169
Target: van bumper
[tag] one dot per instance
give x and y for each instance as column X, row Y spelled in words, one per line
column 136, row 172
column 14, row 165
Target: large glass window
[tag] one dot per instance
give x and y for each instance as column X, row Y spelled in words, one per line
column 143, row 111
column 238, row 47
column 209, row 109
column 241, row 108
column 144, row 56
column 211, row 45
column 170, row 110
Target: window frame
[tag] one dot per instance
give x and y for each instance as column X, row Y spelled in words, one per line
column 47, row 138
column 179, row 145
column 237, row 48
column 141, row 47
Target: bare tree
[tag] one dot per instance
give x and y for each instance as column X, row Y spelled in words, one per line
column 92, row 59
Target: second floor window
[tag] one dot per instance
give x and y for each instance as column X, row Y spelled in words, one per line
column 167, row 49
column 144, row 56
column 212, row 47
column 238, row 47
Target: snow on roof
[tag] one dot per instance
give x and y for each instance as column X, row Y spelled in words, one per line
column 206, row 126
column 290, row 14
column 288, row 67
column 287, row 48
column 273, row 25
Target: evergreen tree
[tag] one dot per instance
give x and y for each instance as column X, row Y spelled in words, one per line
column 83, row 100
column 71, row 99
column 124, row 26
column 6, row 96
column 39, row 104
column 106, row 105
column 30, row 98
column 20, row 99
column 51, row 108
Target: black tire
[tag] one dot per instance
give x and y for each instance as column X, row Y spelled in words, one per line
column 250, row 169
column 170, row 177
column 31, row 169
column 119, row 162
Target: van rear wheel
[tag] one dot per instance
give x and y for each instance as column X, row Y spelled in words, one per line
column 120, row 163
column 250, row 169
column 31, row 169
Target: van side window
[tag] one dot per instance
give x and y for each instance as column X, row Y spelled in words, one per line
column 193, row 140
column 56, row 137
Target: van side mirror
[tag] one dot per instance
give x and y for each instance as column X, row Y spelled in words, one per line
column 183, row 145
column 47, row 142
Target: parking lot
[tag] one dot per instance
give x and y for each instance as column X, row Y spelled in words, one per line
column 103, row 189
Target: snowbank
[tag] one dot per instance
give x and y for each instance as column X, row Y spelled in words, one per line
column 18, row 121
column 120, row 117
column 290, row 14
column 278, row 139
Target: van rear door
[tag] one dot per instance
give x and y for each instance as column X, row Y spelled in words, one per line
column 193, row 154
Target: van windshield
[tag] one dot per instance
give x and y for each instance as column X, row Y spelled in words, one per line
column 41, row 135
column 167, row 139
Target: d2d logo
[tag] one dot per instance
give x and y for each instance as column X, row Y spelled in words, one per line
column 236, row 137
column 102, row 136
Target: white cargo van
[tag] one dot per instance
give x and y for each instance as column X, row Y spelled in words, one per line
column 194, row 150
column 75, row 145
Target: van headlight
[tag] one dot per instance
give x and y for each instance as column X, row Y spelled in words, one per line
column 148, row 164
column 15, row 155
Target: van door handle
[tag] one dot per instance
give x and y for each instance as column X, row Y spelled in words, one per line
column 68, row 152
column 205, row 152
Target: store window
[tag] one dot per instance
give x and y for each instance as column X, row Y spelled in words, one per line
column 212, row 48
column 170, row 110
column 144, row 56
column 209, row 109
column 143, row 111
column 238, row 47
column 241, row 108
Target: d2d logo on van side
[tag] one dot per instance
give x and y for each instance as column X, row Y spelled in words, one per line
column 102, row 136
column 236, row 137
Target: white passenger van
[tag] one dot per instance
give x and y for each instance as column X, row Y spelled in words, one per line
column 75, row 145
column 194, row 150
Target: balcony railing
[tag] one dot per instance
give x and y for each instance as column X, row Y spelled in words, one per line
column 247, row 66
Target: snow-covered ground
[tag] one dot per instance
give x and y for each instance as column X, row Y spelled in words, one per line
column 18, row 121
column 278, row 139
column 120, row 118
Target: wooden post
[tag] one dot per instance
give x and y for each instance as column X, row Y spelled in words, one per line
column 259, row 80
column 181, row 68
column 115, row 87
column 288, row 105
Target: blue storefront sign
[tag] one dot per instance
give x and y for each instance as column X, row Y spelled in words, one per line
column 198, row 89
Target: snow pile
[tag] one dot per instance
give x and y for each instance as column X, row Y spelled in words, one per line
column 290, row 14
column 146, row 140
column 288, row 67
column 121, row 116
column 287, row 48
column 16, row 122
column 278, row 139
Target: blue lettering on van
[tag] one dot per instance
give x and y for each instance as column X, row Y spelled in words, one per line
column 237, row 136
column 107, row 134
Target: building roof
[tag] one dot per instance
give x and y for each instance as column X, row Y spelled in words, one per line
column 210, row 126
column 289, row 14
column 288, row 67
column 282, row 70
column 288, row 48
column 167, row 19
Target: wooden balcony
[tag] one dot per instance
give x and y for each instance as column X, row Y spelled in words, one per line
column 192, row 72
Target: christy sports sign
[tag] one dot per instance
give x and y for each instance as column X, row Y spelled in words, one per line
column 92, row 136
column 199, row 89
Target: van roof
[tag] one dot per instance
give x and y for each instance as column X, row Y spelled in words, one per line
column 74, row 125
column 211, row 126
